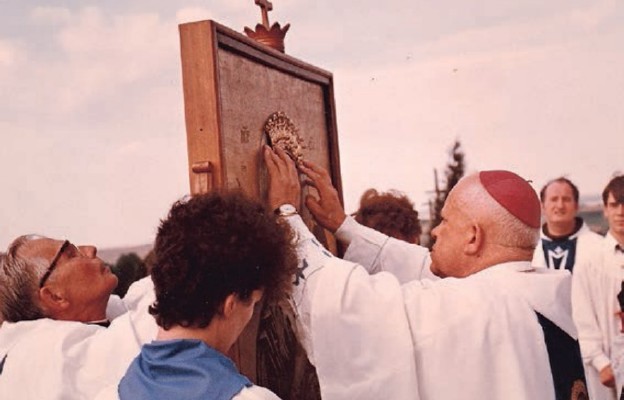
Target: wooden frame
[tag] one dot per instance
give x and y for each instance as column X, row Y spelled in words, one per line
column 232, row 84
column 203, row 45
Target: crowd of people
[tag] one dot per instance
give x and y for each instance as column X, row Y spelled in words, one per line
column 517, row 299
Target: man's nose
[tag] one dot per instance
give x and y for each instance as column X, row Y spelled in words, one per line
column 89, row 251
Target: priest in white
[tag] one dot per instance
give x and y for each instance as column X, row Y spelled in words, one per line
column 64, row 336
column 481, row 333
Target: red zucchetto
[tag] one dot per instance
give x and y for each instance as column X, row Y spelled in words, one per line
column 513, row 193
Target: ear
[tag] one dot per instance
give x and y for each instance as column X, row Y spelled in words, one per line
column 474, row 240
column 229, row 305
column 53, row 300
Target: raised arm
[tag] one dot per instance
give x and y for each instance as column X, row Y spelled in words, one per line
column 373, row 250
column 339, row 308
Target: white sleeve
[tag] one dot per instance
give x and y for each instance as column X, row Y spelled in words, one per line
column 378, row 252
column 255, row 393
column 589, row 332
column 312, row 258
column 339, row 307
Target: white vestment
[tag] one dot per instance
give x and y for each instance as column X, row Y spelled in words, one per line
column 64, row 360
column 586, row 243
column 595, row 286
column 404, row 260
column 475, row 338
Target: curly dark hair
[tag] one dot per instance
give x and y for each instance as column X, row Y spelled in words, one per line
column 214, row 245
column 391, row 213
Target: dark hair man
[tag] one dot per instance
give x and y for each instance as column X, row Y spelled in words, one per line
column 55, row 299
column 565, row 239
column 595, row 289
column 503, row 331
column 217, row 255
column 391, row 213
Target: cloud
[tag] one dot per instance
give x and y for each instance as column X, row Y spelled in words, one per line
column 50, row 15
column 94, row 116
column 593, row 15
column 90, row 58
column 523, row 95
column 192, row 14
column 9, row 54
column 94, row 104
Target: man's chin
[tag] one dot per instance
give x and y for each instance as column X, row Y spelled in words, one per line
column 436, row 271
column 114, row 283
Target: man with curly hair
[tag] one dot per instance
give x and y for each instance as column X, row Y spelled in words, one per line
column 216, row 255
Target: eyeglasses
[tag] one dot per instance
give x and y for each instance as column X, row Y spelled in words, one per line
column 53, row 263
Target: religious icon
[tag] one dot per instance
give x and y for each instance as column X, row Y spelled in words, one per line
column 282, row 133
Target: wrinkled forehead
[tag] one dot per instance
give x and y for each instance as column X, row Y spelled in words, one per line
column 559, row 188
column 40, row 247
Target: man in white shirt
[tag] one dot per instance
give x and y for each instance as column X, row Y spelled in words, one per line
column 64, row 336
column 566, row 242
column 488, row 335
column 595, row 287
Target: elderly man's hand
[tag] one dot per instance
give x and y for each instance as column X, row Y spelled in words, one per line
column 284, row 186
column 606, row 376
column 327, row 210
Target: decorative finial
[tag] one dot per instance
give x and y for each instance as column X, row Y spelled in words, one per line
column 272, row 36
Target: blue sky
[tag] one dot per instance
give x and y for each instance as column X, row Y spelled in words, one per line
column 92, row 118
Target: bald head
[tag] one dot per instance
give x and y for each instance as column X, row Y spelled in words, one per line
column 488, row 218
column 511, row 215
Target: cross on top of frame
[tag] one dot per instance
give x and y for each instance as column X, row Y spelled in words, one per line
column 272, row 36
column 265, row 6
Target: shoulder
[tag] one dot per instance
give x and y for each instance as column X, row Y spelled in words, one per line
column 587, row 235
column 255, row 392
column 53, row 330
column 139, row 292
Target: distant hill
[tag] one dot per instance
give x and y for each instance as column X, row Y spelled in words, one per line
column 592, row 215
column 111, row 255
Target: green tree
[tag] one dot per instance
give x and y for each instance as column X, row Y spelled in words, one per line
column 128, row 268
column 455, row 170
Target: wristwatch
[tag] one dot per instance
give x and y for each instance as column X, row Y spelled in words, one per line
column 286, row 210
